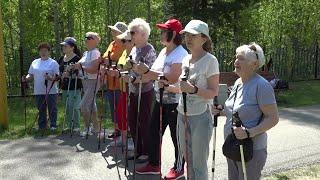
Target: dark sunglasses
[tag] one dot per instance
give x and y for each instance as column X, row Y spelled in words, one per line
column 253, row 48
column 124, row 41
column 132, row 33
column 89, row 38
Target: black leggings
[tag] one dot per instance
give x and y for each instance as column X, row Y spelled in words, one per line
column 169, row 117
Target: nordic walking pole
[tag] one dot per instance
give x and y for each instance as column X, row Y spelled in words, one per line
column 215, row 124
column 137, row 127
column 74, row 97
column 186, row 123
column 24, row 84
column 244, row 170
column 101, row 115
column 162, row 77
column 126, row 108
column 67, row 99
column 92, row 104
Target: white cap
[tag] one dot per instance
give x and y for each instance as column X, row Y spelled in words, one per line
column 197, row 27
column 126, row 35
column 120, row 27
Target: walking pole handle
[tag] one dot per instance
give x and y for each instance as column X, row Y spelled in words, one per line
column 46, row 81
column 184, row 94
column 215, row 117
column 161, row 77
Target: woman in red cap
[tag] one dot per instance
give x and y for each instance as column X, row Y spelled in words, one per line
column 168, row 64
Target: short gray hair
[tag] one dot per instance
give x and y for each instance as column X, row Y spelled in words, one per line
column 143, row 26
column 252, row 51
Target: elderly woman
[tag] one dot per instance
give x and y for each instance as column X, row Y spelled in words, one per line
column 257, row 108
column 121, row 109
column 201, row 69
column 44, row 71
column 140, row 31
column 88, row 65
column 112, row 93
column 168, row 63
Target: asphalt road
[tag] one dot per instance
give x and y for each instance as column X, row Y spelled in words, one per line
column 294, row 142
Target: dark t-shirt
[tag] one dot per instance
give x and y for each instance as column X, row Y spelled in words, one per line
column 64, row 83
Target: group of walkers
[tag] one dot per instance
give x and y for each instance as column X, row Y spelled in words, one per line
column 147, row 93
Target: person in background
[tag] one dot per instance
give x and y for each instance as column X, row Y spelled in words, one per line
column 44, row 72
column 71, row 56
column 112, row 93
column 89, row 65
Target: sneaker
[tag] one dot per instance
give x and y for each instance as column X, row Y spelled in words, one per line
column 53, row 128
column 174, row 174
column 84, row 132
column 142, row 159
column 114, row 134
column 76, row 130
column 148, row 169
column 117, row 143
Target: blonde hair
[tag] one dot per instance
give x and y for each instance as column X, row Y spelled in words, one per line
column 252, row 52
column 143, row 26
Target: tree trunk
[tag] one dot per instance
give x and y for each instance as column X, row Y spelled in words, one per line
column 22, row 46
column 4, row 120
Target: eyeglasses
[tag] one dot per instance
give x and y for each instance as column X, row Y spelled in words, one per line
column 89, row 38
column 132, row 33
column 124, row 41
column 253, row 48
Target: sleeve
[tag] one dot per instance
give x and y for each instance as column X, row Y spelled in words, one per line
column 95, row 55
column 150, row 57
column 265, row 93
column 213, row 67
column 56, row 68
column 180, row 55
column 105, row 55
column 31, row 70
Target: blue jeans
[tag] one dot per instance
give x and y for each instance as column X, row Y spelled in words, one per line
column 109, row 97
column 200, row 129
column 43, row 104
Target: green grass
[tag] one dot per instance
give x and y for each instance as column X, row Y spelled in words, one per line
column 17, row 121
column 307, row 173
column 301, row 93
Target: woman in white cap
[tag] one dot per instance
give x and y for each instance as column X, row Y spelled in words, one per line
column 88, row 65
column 168, row 63
column 70, row 92
column 201, row 71
column 252, row 97
column 114, row 52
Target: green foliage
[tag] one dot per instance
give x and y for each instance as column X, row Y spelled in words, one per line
column 284, row 28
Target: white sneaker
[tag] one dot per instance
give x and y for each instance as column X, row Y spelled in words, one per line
column 76, row 130
column 117, row 143
column 84, row 132
column 53, row 128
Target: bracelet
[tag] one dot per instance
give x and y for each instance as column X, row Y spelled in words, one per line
column 248, row 134
column 195, row 91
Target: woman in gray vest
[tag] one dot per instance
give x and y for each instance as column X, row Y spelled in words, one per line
column 252, row 97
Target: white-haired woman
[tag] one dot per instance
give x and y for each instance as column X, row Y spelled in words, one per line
column 252, row 97
column 140, row 31
column 88, row 65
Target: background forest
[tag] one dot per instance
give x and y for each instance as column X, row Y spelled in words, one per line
column 288, row 30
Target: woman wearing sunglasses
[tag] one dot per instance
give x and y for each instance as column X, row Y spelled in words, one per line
column 88, row 65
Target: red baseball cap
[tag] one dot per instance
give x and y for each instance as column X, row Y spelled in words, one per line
column 172, row 24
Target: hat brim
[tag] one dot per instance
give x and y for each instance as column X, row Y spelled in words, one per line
column 123, row 36
column 162, row 26
column 114, row 28
column 189, row 31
